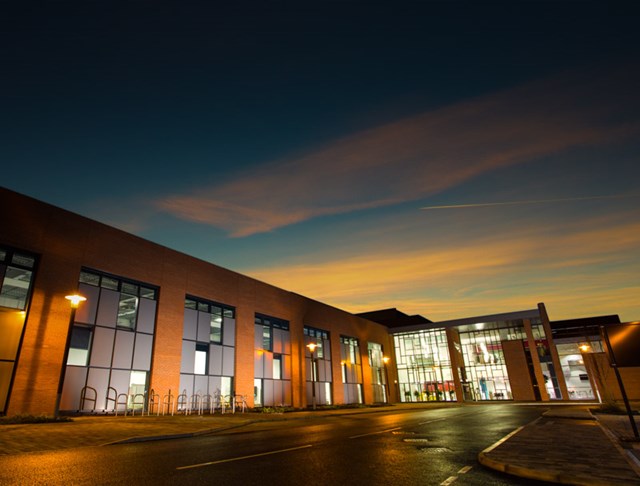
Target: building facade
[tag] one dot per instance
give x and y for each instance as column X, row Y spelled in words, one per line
column 162, row 331
column 520, row 356
column 159, row 328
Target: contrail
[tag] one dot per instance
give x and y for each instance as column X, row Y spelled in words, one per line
column 534, row 201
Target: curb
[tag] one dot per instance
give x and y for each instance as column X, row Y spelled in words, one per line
column 537, row 474
column 186, row 435
column 626, row 453
column 529, row 473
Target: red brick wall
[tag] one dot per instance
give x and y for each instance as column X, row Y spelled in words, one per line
column 603, row 375
column 519, row 377
column 66, row 242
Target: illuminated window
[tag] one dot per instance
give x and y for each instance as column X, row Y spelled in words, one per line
column 127, row 311
column 272, row 368
column 79, row 347
column 277, row 367
column 217, row 313
column 215, row 334
column 268, row 325
column 200, row 365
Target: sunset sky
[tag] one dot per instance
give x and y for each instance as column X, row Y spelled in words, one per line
column 448, row 159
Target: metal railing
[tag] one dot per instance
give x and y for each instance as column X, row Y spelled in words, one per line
column 167, row 403
column 128, row 404
column 153, row 402
column 84, row 398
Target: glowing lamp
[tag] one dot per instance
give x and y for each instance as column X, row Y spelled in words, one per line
column 75, row 300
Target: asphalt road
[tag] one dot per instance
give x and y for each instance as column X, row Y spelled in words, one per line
column 413, row 447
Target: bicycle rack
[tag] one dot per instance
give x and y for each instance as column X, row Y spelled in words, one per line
column 193, row 403
column 243, row 402
column 167, row 403
column 134, row 402
column 120, row 402
column 219, row 401
column 226, row 402
column 84, row 398
column 181, row 402
column 200, row 402
column 109, row 399
column 154, row 401
column 207, row 403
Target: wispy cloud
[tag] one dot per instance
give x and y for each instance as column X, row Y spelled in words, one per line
column 534, row 201
column 586, row 268
column 415, row 157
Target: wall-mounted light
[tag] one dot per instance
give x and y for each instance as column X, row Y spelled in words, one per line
column 75, row 300
column 312, row 347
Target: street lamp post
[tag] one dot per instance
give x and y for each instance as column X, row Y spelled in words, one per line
column 385, row 362
column 74, row 301
column 312, row 347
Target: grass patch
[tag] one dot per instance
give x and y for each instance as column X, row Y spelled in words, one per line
column 612, row 408
column 276, row 409
column 32, row 419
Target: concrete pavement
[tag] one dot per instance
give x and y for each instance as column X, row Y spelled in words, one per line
column 570, row 445
column 566, row 445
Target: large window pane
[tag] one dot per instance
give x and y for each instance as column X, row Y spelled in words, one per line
column 23, row 260
column 109, row 283
column 79, row 347
column 6, row 369
column 15, row 288
column 277, row 367
column 127, row 310
column 200, row 365
column 11, row 324
column 257, row 392
column 216, row 328
column 266, row 338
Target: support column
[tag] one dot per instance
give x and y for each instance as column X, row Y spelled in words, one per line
column 535, row 359
column 555, row 358
column 457, row 360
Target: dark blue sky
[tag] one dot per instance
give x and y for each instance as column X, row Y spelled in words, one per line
column 263, row 135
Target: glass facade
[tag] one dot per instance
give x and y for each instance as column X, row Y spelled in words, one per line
column 351, row 365
column 207, row 365
column 318, row 367
column 573, row 366
column 16, row 277
column 111, row 344
column 272, row 366
column 424, row 366
column 485, row 375
column 378, row 373
column 546, row 361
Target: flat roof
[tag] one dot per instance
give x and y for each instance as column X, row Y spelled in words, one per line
column 507, row 316
column 393, row 318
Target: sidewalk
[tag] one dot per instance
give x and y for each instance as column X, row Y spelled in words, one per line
column 105, row 430
column 569, row 445
column 99, row 430
column 566, row 445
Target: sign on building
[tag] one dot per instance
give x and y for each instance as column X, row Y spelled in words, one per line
column 624, row 344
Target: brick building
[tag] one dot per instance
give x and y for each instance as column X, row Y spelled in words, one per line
column 162, row 330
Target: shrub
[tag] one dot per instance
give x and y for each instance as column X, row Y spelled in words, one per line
column 32, row 419
column 611, row 408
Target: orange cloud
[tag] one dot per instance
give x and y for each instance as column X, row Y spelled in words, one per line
column 412, row 158
column 575, row 273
